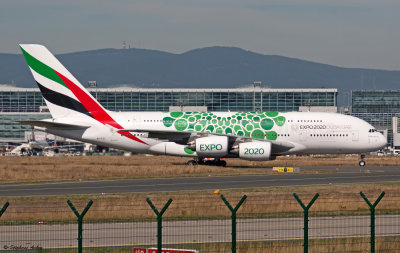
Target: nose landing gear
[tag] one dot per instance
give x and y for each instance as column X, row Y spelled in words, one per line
column 362, row 161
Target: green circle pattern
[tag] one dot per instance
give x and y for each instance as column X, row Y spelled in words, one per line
column 257, row 125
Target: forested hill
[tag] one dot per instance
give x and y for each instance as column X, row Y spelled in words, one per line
column 211, row 67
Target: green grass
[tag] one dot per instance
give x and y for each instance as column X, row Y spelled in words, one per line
column 357, row 244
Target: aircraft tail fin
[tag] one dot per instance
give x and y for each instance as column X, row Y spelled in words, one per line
column 63, row 93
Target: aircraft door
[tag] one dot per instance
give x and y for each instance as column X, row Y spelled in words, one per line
column 114, row 134
column 354, row 136
column 303, row 136
column 134, row 121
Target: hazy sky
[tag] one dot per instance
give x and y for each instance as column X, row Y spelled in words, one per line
column 349, row 33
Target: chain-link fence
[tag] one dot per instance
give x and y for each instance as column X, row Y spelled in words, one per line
column 265, row 222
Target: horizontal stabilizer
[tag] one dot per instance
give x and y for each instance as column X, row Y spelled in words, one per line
column 51, row 124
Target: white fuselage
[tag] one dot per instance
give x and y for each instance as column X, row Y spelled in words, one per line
column 76, row 114
column 307, row 132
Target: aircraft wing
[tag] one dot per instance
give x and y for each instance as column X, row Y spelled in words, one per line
column 51, row 124
column 184, row 137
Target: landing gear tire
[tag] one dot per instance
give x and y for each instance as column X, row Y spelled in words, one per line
column 362, row 161
column 201, row 162
column 191, row 163
column 216, row 162
column 221, row 163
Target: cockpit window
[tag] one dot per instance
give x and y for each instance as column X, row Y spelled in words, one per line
column 372, row 130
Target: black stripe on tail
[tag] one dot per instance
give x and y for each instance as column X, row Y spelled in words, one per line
column 62, row 100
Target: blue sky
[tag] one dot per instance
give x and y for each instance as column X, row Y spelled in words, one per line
column 348, row 33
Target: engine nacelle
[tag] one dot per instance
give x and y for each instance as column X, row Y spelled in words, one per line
column 255, row 151
column 171, row 148
column 212, row 146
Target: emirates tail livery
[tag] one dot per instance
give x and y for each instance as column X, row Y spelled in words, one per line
column 255, row 136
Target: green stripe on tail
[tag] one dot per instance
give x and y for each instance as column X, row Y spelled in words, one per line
column 42, row 69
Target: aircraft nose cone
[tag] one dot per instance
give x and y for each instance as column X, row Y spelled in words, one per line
column 381, row 142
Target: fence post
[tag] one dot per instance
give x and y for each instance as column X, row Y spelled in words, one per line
column 80, row 221
column 372, row 211
column 233, row 211
column 159, row 221
column 306, row 208
column 4, row 208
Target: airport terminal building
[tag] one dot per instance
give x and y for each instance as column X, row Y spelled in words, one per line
column 377, row 107
column 28, row 104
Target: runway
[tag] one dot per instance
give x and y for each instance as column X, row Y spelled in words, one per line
column 314, row 176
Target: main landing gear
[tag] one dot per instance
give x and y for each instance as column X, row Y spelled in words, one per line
column 208, row 161
column 192, row 162
column 362, row 161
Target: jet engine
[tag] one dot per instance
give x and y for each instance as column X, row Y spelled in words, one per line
column 254, row 151
column 212, row 146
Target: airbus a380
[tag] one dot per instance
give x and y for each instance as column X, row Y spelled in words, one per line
column 255, row 136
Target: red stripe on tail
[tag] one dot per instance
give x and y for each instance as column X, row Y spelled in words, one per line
column 94, row 108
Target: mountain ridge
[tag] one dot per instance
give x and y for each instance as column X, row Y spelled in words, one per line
column 208, row 67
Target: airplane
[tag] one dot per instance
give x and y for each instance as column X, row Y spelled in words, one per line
column 40, row 147
column 254, row 136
